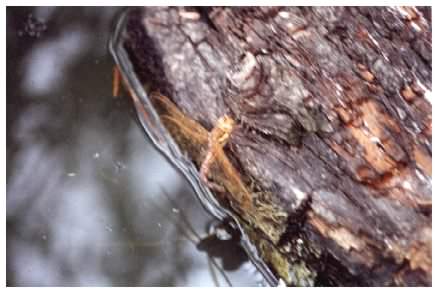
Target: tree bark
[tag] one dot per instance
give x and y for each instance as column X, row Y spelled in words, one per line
column 334, row 128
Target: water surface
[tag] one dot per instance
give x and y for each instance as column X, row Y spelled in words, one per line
column 90, row 202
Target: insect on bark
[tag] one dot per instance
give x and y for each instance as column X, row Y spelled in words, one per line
column 212, row 161
column 190, row 135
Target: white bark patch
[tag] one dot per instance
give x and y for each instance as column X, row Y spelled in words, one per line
column 407, row 185
column 284, row 14
column 375, row 139
column 427, row 92
column 192, row 15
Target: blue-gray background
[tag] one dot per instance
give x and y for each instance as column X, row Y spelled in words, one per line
column 89, row 200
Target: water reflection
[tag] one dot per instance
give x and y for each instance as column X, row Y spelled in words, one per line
column 89, row 201
column 49, row 61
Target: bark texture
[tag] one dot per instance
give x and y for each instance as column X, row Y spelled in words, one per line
column 334, row 128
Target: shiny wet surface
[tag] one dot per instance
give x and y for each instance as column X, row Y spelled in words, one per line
column 89, row 200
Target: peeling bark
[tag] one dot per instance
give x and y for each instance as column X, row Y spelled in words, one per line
column 335, row 128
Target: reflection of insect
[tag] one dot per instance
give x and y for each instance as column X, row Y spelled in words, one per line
column 210, row 243
column 191, row 136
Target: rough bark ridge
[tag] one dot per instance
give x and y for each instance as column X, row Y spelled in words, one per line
column 334, row 126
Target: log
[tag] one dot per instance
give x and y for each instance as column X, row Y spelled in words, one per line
column 333, row 135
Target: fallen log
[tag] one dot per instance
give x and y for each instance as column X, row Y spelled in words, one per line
column 333, row 135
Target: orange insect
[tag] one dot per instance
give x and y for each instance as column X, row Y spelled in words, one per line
column 213, row 161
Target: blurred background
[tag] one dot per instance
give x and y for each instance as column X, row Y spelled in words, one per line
column 90, row 202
